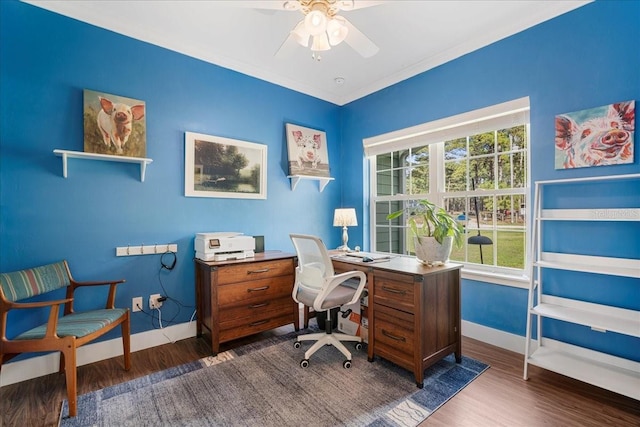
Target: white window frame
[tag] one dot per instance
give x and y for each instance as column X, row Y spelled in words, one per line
column 433, row 133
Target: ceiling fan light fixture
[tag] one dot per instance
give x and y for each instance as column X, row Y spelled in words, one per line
column 300, row 34
column 337, row 31
column 320, row 43
column 315, row 22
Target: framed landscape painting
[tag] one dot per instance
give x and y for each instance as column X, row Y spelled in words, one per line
column 223, row 167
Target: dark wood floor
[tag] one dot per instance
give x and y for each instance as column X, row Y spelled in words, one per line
column 499, row 397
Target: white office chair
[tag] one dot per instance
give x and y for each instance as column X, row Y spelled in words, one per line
column 319, row 287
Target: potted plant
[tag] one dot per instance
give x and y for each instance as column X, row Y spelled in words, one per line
column 434, row 231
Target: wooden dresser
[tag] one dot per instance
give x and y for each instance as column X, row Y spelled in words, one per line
column 237, row 298
column 414, row 311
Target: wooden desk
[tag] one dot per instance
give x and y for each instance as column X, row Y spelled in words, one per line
column 237, row 298
column 414, row 311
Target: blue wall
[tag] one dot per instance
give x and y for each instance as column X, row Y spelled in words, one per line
column 574, row 62
column 46, row 61
column 583, row 59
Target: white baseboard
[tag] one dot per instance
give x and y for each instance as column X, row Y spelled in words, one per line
column 506, row 340
column 22, row 370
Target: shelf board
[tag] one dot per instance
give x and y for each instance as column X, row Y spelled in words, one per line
column 625, row 267
column 322, row 181
column 628, row 323
column 611, row 377
column 596, row 214
column 66, row 154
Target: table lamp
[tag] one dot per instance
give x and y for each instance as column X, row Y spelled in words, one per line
column 344, row 217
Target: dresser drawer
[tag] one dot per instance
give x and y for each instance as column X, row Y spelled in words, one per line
column 394, row 290
column 234, row 316
column 394, row 335
column 254, row 326
column 255, row 291
column 242, row 272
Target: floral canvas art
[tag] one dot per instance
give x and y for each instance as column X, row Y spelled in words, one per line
column 599, row 136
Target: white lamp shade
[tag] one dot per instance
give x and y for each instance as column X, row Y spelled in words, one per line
column 337, row 31
column 320, row 42
column 345, row 217
column 315, row 22
column 300, row 34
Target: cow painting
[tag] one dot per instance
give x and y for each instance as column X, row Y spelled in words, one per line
column 596, row 137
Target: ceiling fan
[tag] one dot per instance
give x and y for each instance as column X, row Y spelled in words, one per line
column 322, row 27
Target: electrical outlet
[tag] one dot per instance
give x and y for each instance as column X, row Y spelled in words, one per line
column 153, row 301
column 136, row 304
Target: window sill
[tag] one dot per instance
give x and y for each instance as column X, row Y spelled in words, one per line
column 496, row 277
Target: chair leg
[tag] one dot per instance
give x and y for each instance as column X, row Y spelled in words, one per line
column 69, row 356
column 126, row 343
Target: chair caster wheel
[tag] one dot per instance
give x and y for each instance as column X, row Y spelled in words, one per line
column 359, row 346
column 304, row 363
column 346, row 364
column 297, row 344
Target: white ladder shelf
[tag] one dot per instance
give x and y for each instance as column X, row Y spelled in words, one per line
column 595, row 367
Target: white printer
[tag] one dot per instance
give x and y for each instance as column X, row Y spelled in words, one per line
column 222, row 246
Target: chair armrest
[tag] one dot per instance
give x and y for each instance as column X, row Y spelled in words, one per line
column 52, row 322
column 111, row 298
column 336, row 281
column 39, row 304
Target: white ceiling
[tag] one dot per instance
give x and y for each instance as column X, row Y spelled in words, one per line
column 413, row 36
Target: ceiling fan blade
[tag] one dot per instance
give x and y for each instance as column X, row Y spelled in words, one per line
column 359, row 42
column 287, row 48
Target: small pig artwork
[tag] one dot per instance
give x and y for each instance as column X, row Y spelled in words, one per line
column 114, row 125
column 307, row 151
column 596, row 137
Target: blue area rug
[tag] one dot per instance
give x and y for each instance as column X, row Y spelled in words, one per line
column 262, row 384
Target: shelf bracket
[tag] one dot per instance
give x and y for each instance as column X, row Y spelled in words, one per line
column 322, row 181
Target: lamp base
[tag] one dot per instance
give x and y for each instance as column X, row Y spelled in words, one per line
column 343, row 248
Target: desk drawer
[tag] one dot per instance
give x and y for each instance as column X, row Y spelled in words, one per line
column 242, row 272
column 231, row 317
column 394, row 335
column 394, row 290
column 255, row 291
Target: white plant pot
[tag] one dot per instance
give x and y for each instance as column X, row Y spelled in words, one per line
column 429, row 251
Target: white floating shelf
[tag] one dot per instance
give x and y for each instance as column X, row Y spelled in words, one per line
column 322, row 181
column 66, row 154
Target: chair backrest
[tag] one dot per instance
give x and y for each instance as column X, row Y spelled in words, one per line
column 314, row 262
column 23, row 284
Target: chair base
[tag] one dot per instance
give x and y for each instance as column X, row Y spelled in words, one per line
column 323, row 338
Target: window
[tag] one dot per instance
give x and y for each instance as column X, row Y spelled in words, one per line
column 474, row 162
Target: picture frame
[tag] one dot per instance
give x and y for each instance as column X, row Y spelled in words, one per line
column 307, row 150
column 114, row 125
column 222, row 167
column 600, row 136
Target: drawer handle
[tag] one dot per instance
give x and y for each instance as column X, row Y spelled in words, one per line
column 264, row 304
column 262, row 288
column 262, row 270
column 393, row 337
column 260, row 322
column 394, row 291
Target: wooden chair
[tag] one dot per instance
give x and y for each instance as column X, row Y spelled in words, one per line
column 61, row 333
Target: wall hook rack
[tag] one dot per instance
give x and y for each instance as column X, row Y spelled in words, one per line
column 146, row 249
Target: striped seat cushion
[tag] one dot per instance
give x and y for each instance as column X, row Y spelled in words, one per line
column 34, row 281
column 77, row 324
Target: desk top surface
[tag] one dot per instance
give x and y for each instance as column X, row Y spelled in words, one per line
column 260, row 256
column 396, row 264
